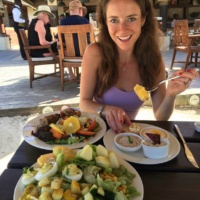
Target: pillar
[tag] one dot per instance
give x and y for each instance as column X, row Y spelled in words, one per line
column 164, row 13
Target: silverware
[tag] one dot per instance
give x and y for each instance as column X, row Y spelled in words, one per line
column 161, row 82
column 188, row 153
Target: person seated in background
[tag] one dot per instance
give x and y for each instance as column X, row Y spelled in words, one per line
column 76, row 16
column 85, row 12
column 39, row 32
column 62, row 16
column 176, row 17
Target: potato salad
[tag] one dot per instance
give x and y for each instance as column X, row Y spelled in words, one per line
column 91, row 173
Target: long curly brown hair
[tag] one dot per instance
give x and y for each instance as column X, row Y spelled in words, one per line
column 146, row 49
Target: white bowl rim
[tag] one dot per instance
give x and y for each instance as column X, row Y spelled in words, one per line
column 197, row 124
column 156, row 149
column 128, row 133
column 162, row 139
column 153, row 127
column 128, row 149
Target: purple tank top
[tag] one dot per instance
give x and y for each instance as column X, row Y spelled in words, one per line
column 128, row 101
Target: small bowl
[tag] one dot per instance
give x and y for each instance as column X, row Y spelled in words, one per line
column 197, row 126
column 127, row 145
column 152, row 129
column 156, row 152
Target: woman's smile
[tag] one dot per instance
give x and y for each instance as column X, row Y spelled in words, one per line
column 124, row 38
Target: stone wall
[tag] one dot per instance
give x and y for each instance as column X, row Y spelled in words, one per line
column 13, row 37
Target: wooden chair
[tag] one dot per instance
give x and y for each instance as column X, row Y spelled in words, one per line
column 66, row 49
column 39, row 61
column 196, row 41
column 197, row 26
column 183, row 43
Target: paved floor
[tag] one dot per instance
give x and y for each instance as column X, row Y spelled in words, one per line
column 15, row 91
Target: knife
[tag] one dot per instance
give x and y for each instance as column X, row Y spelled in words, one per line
column 188, row 153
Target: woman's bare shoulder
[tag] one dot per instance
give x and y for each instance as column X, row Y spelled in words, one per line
column 92, row 53
column 93, row 49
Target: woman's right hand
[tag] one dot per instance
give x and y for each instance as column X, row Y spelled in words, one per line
column 115, row 118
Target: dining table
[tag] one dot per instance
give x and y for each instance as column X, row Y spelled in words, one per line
column 194, row 37
column 171, row 180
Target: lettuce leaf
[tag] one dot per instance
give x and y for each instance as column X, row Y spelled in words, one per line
column 107, row 184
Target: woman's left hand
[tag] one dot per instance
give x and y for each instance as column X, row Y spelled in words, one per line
column 115, row 118
column 178, row 85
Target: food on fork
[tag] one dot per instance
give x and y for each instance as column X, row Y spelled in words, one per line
column 141, row 92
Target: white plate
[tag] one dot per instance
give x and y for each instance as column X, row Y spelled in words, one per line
column 137, row 182
column 138, row 156
column 34, row 141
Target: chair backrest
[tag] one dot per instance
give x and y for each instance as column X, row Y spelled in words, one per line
column 181, row 32
column 84, row 34
column 24, row 38
column 197, row 25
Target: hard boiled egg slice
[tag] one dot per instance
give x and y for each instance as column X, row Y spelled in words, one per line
column 29, row 176
column 72, row 172
column 47, row 170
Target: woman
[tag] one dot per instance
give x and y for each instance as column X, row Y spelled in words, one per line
column 127, row 53
column 39, row 32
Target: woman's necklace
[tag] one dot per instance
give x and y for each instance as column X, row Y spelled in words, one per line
column 123, row 67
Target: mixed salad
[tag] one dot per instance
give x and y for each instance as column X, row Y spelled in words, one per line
column 67, row 127
column 92, row 173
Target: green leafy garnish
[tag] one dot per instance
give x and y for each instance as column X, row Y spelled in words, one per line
column 129, row 139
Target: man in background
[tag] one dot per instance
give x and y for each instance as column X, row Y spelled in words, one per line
column 176, row 17
column 76, row 16
column 62, row 16
column 19, row 23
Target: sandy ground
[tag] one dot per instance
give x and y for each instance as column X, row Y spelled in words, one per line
column 11, row 129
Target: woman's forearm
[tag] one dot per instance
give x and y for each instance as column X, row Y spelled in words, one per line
column 45, row 42
column 89, row 106
column 165, row 109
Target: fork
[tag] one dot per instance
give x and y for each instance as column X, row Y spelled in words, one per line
column 161, row 82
